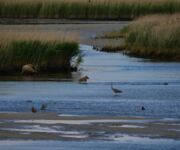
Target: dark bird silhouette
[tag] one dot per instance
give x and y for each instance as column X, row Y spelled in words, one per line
column 83, row 79
column 143, row 108
column 43, row 107
column 165, row 83
column 33, row 109
column 115, row 90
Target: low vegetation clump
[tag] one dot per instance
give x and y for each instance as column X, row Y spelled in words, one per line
column 156, row 36
column 86, row 9
column 116, row 34
column 45, row 50
column 110, row 48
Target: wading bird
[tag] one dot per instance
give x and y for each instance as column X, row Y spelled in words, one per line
column 83, row 79
column 115, row 90
column 33, row 109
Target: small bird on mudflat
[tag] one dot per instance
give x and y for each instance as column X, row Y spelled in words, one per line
column 33, row 109
column 83, row 79
column 115, row 90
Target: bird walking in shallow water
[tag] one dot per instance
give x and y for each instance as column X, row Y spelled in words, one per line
column 83, row 79
column 115, row 90
column 33, row 109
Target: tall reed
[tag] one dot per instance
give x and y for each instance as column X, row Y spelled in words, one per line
column 85, row 9
column 49, row 52
column 155, row 36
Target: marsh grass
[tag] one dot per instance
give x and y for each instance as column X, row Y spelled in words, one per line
column 82, row 9
column 156, row 36
column 111, row 35
column 111, row 48
column 49, row 52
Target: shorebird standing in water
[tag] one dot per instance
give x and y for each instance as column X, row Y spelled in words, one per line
column 83, row 79
column 115, row 90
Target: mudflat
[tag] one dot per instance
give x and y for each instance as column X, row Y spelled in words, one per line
column 50, row 126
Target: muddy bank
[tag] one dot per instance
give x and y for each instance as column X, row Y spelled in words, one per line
column 84, row 31
column 58, row 127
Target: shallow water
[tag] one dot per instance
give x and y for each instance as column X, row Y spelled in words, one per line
column 142, row 82
column 123, row 143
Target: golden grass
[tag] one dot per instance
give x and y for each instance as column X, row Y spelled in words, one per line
column 7, row 36
column 155, row 36
column 112, row 35
column 152, row 36
column 112, row 48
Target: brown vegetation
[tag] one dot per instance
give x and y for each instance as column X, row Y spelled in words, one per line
column 155, row 36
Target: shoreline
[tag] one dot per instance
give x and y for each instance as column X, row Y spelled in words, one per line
column 51, row 126
column 84, row 32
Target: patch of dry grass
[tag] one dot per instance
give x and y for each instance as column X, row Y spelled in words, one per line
column 35, row 34
column 112, row 48
column 111, row 35
column 155, row 36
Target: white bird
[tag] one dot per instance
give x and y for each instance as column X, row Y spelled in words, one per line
column 115, row 90
column 29, row 69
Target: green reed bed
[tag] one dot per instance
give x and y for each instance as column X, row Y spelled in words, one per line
column 50, row 55
column 85, row 9
column 155, row 37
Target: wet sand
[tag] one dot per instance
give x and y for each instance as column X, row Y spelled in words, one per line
column 50, row 126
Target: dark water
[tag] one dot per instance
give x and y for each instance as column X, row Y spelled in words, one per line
column 143, row 83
